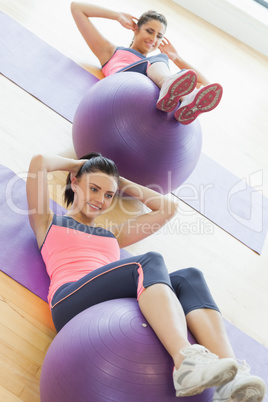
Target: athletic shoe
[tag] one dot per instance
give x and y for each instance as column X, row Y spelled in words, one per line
column 174, row 88
column 200, row 370
column 244, row 388
column 201, row 101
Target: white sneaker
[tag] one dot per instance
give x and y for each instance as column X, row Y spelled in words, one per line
column 174, row 88
column 244, row 388
column 201, row 101
column 200, row 370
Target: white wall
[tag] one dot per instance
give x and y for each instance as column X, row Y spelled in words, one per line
column 245, row 20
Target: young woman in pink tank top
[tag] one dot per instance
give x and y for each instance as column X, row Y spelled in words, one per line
column 177, row 91
column 82, row 260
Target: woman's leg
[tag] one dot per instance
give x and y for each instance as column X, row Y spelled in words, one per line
column 206, row 324
column 195, row 368
column 158, row 72
column 208, row 328
column 164, row 313
column 173, row 88
column 202, row 314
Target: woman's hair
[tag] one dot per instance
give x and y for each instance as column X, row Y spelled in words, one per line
column 95, row 163
column 151, row 15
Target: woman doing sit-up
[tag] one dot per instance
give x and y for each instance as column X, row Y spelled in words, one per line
column 84, row 266
column 177, row 91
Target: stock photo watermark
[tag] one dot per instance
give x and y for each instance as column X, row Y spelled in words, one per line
column 243, row 203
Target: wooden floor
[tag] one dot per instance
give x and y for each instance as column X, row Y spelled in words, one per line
column 235, row 135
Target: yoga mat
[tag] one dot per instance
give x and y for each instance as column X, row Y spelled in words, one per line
column 228, row 201
column 60, row 83
column 41, row 70
column 21, row 260
column 19, row 253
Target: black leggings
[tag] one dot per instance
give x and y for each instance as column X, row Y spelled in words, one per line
column 128, row 278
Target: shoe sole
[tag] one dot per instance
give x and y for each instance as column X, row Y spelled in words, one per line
column 183, row 85
column 249, row 395
column 205, row 100
column 249, row 392
column 220, row 379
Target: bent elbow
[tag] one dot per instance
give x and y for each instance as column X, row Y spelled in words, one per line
column 36, row 163
column 73, row 7
column 172, row 206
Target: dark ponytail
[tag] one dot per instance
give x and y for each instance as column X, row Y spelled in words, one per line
column 95, row 163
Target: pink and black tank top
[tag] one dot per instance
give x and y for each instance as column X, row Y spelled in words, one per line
column 71, row 250
column 126, row 59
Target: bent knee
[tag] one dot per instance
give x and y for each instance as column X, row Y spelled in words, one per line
column 193, row 273
column 151, row 255
column 154, row 259
column 153, row 262
column 188, row 275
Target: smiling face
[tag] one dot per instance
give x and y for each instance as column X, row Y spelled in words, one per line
column 148, row 37
column 93, row 195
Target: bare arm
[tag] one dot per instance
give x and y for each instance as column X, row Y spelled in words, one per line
column 167, row 48
column 163, row 208
column 99, row 45
column 40, row 215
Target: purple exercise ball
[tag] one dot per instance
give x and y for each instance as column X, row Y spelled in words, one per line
column 110, row 353
column 118, row 118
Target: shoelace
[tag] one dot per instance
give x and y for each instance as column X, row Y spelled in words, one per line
column 243, row 369
column 199, row 354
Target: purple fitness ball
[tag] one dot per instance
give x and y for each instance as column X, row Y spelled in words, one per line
column 118, row 118
column 110, row 353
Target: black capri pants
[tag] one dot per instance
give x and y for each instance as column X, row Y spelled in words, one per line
column 128, row 278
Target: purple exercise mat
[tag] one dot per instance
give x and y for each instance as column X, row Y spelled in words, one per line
column 41, row 70
column 60, row 83
column 229, row 202
column 21, row 260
